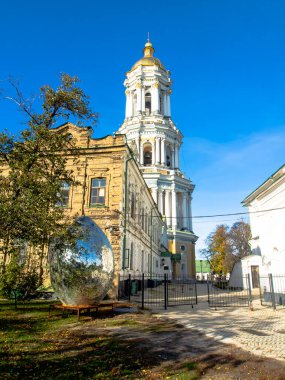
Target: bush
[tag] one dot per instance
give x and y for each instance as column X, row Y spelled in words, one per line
column 17, row 282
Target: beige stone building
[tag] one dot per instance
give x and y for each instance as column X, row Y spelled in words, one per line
column 113, row 193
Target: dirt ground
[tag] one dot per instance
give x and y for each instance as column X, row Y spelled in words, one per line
column 174, row 352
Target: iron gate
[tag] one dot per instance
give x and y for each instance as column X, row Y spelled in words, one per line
column 272, row 290
column 234, row 291
column 157, row 290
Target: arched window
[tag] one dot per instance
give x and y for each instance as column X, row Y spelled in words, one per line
column 168, row 157
column 148, row 103
column 147, row 154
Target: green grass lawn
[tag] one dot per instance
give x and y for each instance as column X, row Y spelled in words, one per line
column 127, row 346
column 35, row 347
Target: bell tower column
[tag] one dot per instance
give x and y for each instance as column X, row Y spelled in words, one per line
column 139, row 97
column 185, row 210
column 190, row 226
column 154, row 194
column 157, row 150
column 141, row 152
column 128, row 104
column 168, row 103
column 155, row 97
column 143, row 99
column 162, row 152
column 160, row 200
column 174, row 210
column 167, row 207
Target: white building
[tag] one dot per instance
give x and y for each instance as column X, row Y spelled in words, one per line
column 156, row 141
column 266, row 207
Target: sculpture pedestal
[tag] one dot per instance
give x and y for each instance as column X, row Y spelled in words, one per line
column 88, row 308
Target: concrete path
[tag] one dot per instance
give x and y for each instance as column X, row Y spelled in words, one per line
column 261, row 331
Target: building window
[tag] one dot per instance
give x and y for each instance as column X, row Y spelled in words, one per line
column 133, row 206
column 63, row 195
column 132, row 257
column 147, row 103
column 147, row 154
column 98, row 187
column 168, row 157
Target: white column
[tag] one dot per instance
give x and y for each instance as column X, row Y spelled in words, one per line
column 137, row 139
column 128, row 104
column 176, row 155
column 174, row 210
column 153, row 150
column 162, row 152
column 164, row 104
column 172, row 158
column 185, row 210
column 143, row 99
column 141, row 152
column 167, row 207
column 160, row 200
column 139, row 98
column 157, row 150
column 190, row 224
column 155, row 98
column 168, row 103
column 154, row 194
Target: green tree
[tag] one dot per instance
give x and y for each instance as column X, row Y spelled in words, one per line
column 226, row 246
column 17, row 281
column 36, row 167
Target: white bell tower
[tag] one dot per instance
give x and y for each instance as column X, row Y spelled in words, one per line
column 156, row 142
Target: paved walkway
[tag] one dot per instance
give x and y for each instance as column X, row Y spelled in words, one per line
column 261, row 331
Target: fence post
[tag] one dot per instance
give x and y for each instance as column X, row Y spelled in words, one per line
column 143, row 291
column 129, row 287
column 260, row 291
column 208, row 289
column 272, row 291
column 119, row 288
column 249, row 292
column 165, row 291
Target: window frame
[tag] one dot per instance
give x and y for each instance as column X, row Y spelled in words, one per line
column 64, row 199
column 97, row 204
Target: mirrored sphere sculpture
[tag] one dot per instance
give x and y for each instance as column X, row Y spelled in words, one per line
column 83, row 272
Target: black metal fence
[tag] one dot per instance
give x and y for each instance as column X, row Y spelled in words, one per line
column 272, row 290
column 225, row 291
column 157, row 291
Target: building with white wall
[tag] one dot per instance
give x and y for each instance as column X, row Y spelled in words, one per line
column 156, row 141
column 266, row 207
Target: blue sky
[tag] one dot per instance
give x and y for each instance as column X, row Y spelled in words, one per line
column 227, row 61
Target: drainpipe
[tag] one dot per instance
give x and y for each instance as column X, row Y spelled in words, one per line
column 125, row 210
column 151, row 235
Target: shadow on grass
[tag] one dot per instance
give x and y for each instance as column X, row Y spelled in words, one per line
column 97, row 358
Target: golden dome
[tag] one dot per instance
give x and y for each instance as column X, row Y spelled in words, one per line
column 148, row 59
